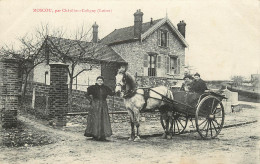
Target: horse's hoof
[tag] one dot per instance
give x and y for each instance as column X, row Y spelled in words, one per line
column 130, row 139
column 164, row 136
column 137, row 139
column 169, row 137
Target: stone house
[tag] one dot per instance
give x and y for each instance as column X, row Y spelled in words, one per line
column 155, row 48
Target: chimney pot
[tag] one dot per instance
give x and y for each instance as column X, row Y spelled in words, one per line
column 138, row 21
column 182, row 27
column 95, row 33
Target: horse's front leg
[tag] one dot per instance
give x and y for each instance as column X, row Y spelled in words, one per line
column 171, row 119
column 163, row 119
column 137, row 123
column 132, row 136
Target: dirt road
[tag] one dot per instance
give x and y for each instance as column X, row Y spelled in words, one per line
column 234, row 145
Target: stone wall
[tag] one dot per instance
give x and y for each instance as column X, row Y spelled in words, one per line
column 80, row 102
column 150, row 81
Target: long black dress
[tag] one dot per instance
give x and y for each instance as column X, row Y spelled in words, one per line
column 98, row 122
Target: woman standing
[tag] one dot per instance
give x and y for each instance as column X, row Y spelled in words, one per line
column 98, row 123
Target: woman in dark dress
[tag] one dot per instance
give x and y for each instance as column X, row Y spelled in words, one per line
column 98, row 122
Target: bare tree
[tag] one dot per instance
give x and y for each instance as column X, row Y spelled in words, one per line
column 237, row 80
column 49, row 45
column 73, row 52
column 28, row 56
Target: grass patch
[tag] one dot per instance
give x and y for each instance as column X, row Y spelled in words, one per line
column 246, row 106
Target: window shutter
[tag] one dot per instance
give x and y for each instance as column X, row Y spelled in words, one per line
column 159, row 61
column 178, row 65
column 145, row 60
column 167, row 60
column 165, row 63
column 167, row 39
column 159, row 37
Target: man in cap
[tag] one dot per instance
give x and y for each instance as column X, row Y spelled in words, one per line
column 198, row 85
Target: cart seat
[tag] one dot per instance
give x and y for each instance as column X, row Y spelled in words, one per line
column 189, row 98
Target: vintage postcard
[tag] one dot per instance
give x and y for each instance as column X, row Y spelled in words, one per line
column 131, row 81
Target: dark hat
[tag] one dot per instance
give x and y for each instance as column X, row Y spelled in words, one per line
column 100, row 77
column 196, row 74
column 187, row 76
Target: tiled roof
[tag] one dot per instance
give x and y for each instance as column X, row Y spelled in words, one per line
column 105, row 53
column 89, row 50
column 126, row 34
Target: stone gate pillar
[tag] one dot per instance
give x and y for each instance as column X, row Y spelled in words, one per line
column 10, row 89
column 58, row 93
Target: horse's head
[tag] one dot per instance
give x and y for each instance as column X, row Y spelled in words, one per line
column 120, row 82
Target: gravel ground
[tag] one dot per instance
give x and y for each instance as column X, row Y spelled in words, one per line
column 236, row 144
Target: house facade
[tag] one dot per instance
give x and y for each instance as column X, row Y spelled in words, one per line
column 154, row 48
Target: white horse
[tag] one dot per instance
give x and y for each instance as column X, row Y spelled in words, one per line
column 144, row 99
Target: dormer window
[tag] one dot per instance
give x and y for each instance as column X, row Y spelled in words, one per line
column 163, row 38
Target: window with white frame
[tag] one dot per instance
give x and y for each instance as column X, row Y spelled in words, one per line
column 150, row 64
column 172, row 65
column 163, row 38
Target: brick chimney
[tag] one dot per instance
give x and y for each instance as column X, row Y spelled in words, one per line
column 138, row 23
column 151, row 22
column 182, row 27
column 95, row 33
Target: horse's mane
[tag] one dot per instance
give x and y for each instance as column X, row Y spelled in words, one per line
column 130, row 82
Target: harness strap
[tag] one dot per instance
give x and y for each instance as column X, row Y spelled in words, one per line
column 164, row 98
column 146, row 96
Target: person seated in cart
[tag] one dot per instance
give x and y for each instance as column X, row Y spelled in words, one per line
column 187, row 83
column 198, row 85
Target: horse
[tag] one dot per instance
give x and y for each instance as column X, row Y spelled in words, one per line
column 139, row 100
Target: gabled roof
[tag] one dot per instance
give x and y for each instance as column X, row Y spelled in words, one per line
column 159, row 24
column 127, row 34
column 89, row 50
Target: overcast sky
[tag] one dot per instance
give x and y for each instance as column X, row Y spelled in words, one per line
column 223, row 35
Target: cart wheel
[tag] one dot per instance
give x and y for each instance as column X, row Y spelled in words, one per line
column 209, row 117
column 179, row 123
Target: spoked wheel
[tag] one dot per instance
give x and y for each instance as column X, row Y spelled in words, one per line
column 179, row 123
column 209, row 117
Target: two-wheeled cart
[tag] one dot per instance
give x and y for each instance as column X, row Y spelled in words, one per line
column 206, row 110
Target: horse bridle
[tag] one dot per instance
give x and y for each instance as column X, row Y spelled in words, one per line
column 123, row 88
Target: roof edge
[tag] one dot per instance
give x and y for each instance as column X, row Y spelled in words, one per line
column 123, row 41
column 159, row 24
